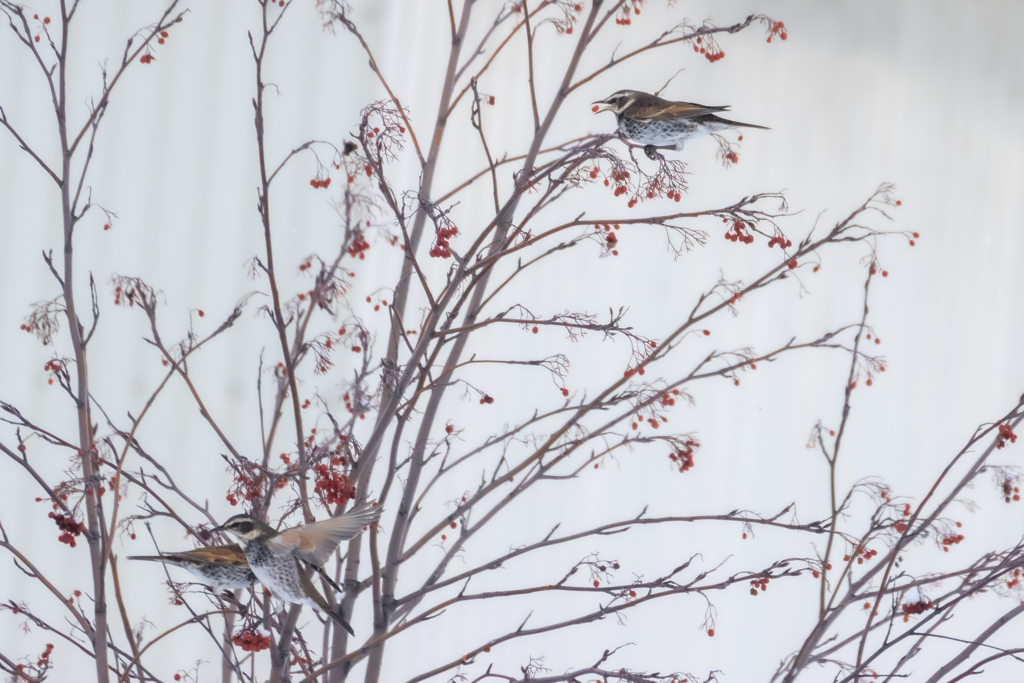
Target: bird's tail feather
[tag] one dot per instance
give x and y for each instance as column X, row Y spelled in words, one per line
column 739, row 124
column 326, row 577
column 340, row 620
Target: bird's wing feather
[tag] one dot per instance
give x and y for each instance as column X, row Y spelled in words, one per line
column 315, row 542
column 227, row 555
column 664, row 111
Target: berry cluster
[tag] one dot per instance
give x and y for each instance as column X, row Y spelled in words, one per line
column 739, row 232
column 358, row 247
column 70, row 527
column 815, row 572
column 949, row 540
column 147, row 59
column 862, row 554
column 245, row 487
column 347, row 397
column 756, row 584
column 251, row 640
column 781, row 241
column 919, row 607
column 37, row 671
column 333, row 487
column 1005, row 434
column 712, row 52
column 129, row 291
column 318, row 183
column 619, row 176
column 486, row 399
column 44, row 658
column 441, row 245
column 668, row 181
column 778, row 29
column 684, row 456
column 55, row 366
column 625, row 19
column 900, row 527
column 611, row 240
column 1010, row 491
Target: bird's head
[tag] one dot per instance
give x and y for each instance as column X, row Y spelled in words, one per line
column 618, row 101
column 246, row 528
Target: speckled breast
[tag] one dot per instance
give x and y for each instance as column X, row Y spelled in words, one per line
column 278, row 573
column 658, row 132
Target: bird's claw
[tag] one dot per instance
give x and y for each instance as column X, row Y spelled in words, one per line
column 652, row 153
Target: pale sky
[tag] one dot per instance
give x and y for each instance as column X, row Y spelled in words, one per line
column 927, row 95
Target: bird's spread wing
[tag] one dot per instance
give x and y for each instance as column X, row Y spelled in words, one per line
column 665, row 110
column 315, row 542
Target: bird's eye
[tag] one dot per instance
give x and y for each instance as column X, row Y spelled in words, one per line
column 244, row 527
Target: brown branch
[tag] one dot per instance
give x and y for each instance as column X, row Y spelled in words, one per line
column 529, row 61
column 661, row 41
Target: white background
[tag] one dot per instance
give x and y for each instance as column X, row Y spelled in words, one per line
column 927, row 95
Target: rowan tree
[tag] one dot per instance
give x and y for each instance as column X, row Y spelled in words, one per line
column 453, row 396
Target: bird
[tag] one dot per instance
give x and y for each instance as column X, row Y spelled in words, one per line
column 656, row 122
column 221, row 567
column 277, row 557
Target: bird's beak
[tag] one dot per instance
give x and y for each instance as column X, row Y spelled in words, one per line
column 607, row 107
column 216, row 528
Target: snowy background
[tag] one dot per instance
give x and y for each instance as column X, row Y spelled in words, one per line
column 928, row 95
